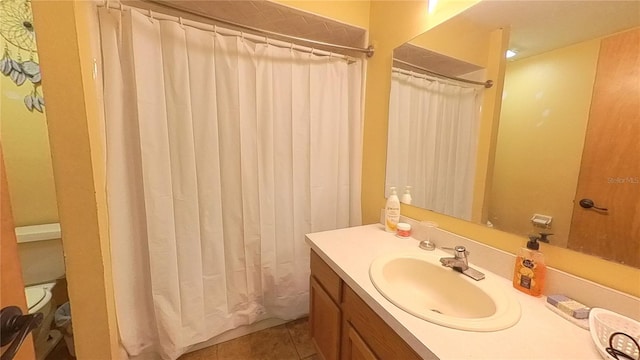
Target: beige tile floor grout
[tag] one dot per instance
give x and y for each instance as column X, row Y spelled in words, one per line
column 290, row 341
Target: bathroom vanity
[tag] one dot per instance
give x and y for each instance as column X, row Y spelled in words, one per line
column 351, row 319
column 343, row 326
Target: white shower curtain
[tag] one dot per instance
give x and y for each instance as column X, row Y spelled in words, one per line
column 221, row 155
column 432, row 147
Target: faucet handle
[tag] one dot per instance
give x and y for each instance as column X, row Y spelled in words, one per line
column 459, row 251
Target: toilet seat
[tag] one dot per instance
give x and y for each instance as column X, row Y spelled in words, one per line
column 36, row 298
column 34, row 295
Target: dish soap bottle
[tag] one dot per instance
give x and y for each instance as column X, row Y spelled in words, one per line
column 392, row 212
column 530, row 270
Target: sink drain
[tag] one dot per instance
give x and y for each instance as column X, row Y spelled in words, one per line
column 436, row 311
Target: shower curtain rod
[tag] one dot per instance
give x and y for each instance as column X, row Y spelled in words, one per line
column 224, row 31
column 423, row 76
column 431, row 77
column 367, row 51
column 487, row 84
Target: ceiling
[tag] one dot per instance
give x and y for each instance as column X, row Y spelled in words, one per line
column 540, row 26
column 536, row 27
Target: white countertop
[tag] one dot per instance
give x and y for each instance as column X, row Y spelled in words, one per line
column 539, row 334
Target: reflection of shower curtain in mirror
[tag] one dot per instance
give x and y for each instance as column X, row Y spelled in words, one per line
column 221, row 155
column 432, row 145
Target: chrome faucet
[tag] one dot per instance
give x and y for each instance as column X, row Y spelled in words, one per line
column 459, row 262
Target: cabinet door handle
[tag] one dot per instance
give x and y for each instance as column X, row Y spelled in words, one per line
column 14, row 327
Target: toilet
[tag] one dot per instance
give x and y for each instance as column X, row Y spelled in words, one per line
column 39, row 300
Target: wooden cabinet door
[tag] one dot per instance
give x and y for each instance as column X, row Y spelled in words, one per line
column 324, row 322
column 354, row 347
column 372, row 330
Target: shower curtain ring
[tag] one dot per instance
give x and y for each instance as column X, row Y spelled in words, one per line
column 121, row 6
column 106, row 5
column 151, row 15
column 180, row 21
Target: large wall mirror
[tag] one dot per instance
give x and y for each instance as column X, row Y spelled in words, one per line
column 564, row 149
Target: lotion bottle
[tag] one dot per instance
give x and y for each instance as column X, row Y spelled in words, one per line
column 406, row 197
column 530, row 270
column 392, row 212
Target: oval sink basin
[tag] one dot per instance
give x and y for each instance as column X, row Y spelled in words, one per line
column 419, row 285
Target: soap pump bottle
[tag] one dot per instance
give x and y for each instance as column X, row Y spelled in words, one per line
column 530, row 270
column 392, row 212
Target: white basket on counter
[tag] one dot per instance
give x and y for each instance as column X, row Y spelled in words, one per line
column 603, row 323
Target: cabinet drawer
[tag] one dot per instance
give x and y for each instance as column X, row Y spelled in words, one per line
column 329, row 280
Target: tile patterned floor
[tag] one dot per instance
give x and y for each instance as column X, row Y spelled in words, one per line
column 290, row 341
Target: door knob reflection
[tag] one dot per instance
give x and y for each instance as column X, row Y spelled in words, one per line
column 588, row 204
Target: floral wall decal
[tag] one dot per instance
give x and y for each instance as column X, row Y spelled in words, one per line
column 16, row 28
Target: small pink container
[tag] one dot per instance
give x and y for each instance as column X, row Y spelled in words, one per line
column 403, row 230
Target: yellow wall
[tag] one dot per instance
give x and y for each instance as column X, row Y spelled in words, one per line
column 541, row 138
column 26, row 153
column 72, row 112
column 391, row 24
column 353, row 12
column 488, row 131
column 80, row 184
